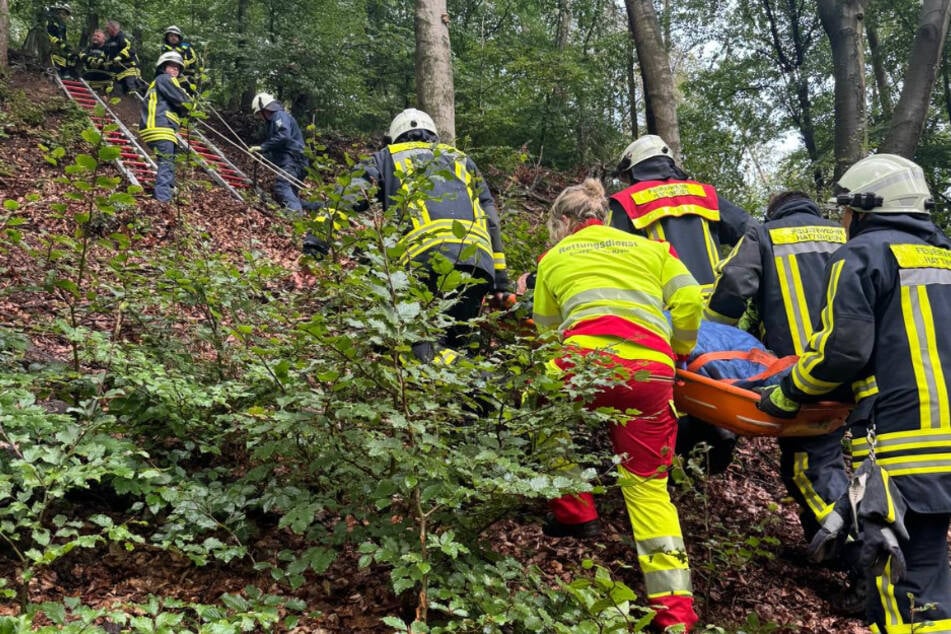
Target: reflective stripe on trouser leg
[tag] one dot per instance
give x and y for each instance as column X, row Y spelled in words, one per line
column 927, row 579
column 165, row 174
column 813, row 470
column 660, row 547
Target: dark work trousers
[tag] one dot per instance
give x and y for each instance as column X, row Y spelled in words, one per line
column 927, row 580
column 813, row 471
column 459, row 337
column 284, row 191
column 165, row 175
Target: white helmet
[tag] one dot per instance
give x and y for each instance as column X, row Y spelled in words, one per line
column 885, row 184
column 642, row 149
column 261, row 101
column 171, row 57
column 410, row 119
column 174, row 30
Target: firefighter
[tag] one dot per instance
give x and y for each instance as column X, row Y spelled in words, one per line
column 413, row 147
column 164, row 104
column 664, row 204
column 123, row 61
column 62, row 56
column 604, row 290
column 780, row 266
column 284, row 146
column 95, row 63
column 173, row 40
column 887, row 291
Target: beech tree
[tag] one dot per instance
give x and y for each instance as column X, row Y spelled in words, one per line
column 908, row 117
column 434, row 85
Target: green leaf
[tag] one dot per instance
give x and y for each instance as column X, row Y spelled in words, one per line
column 86, row 162
column 92, row 136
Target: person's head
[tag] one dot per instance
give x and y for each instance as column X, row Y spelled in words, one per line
column 882, row 184
column 113, row 28
column 574, row 206
column 412, row 123
column 169, row 63
column 98, row 38
column 783, row 199
column 265, row 104
column 61, row 11
column 643, row 148
column 173, row 35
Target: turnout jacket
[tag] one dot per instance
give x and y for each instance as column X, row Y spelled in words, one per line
column 603, row 282
column 122, row 58
column 781, row 266
column 96, row 64
column 189, row 58
column 283, row 136
column 59, row 45
column 165, row 102
column 455, row 192
column 887, row 291
column 663, row 204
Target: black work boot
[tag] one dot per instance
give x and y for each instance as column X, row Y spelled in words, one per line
column 851, row 601
column 584, row 530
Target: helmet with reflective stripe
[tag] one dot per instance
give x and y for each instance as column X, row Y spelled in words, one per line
column 885, row 184
column 171, row 57
column 174, row 30
column 261, row 102
column 641, row 149
column 64, row 7
column 410, row 119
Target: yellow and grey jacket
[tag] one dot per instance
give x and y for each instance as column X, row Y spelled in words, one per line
column 123, row 60
column 59, row 45
column 781, row 266
column 438, row 191
column 164, row 105
column 888, row 291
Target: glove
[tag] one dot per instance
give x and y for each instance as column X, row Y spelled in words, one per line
column 831, row 535
column 879, row 545
column 254, row 149
column 773, row 401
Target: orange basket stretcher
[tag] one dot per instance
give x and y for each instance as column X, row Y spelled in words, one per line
column 719, row 403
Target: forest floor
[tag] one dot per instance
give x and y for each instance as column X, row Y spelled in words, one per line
column 741, row 582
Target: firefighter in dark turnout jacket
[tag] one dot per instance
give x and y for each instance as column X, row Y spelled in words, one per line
column 887, row 291
column 414, row 148
column 662, row 203
column 173, row 41
column 123, row 61
column 780, row 265
column 62, row 56
column 95, row 64
column 284, row 146
column 164, row 105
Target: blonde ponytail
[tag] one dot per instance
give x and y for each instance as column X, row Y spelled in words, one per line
column 575, row 205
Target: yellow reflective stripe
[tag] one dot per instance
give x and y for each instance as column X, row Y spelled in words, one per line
column 939, row 405
column 665, row 581
column 153, row 106
column 820, row 509
column 678, row 282
column 713, row 315
column 802, row 372
column 915, row 465
column 656, row 215
column 794, row 302
column 426, row 245
column 713, row 254
column 889, row 500
column 498, row 260
column 811, row 233
column 919, row 328
column 886, row 595
column 656, row 232
column 433, row 230
column 646, row 319
column 612, row 295
column 864, row 388
column 150, row 135
column 446, row 356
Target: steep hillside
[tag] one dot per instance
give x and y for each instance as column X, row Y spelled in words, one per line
column 743, row 538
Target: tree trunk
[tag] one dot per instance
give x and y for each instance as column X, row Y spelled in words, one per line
column 878, row 67
column 660, row 101
column 434, row 86
column 842, row 22
column 245, row 75
column 4, row 34
column 908, row 119
column 632, row 87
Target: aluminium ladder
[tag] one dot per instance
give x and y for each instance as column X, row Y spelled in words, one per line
column 134, row 162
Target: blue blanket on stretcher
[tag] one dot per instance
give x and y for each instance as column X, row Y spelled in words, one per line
column 716, row 337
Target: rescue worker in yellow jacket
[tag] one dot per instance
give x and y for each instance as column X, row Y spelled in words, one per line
column 414, row 159
column 606, row 292
column 95, row 64
column 123, row 60
column 887, row 290
column 164, row 105
column 173, row 40
column 663, row 203
column 62, row 56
